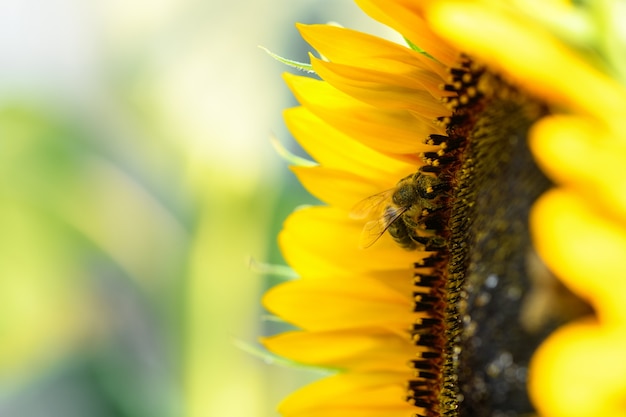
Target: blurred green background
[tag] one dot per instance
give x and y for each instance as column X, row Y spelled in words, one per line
column 137, row 182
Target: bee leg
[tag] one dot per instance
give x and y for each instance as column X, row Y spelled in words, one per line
column 430, row 206
column 431, row 187
column 434, row 220
column 430, row 168
column 440, row 184
column 430, row 243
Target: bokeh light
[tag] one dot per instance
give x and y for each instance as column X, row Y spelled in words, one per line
column 137, row 182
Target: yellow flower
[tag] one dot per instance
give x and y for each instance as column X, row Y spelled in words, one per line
column 449, row 328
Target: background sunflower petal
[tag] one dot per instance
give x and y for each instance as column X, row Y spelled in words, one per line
column 530, row 56
column 585, row 250
column 579, row 153
column 579, row 372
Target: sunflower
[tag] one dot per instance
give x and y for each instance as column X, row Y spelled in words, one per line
column 468, row 260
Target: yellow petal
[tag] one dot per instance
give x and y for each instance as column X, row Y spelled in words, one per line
column 325, row 242
column 401, row 280
column 329, row 304
column 367, row 52
column 579, row 153
column 351, row 47
column 585, row 250
column 382, row 88
column 357, row 350
column 338, row 188
column 386, row 130
column 579, row 372
column 354, row 395
column 404, row 16
column 530, row 56
column 334, row 149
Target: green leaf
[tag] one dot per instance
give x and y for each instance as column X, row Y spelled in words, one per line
column 418, row 49
column 288, row 156
column 308, row 68
column 282, row 271
column 274, row 359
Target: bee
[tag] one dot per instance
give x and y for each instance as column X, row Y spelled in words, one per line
column 412, row 205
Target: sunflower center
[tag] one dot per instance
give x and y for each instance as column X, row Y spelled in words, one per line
column 503, row 182
column 477, row 340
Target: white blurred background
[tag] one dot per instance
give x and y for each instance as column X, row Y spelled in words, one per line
column 136, row 179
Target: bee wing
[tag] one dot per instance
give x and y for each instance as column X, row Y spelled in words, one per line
column 371, row 206
column 374, row 229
